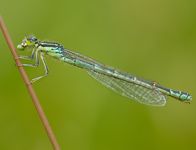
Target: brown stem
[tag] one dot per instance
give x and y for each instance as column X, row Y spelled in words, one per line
column 29, row 87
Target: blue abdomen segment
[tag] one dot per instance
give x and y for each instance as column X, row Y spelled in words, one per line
column 182, row 96
column 82, row 64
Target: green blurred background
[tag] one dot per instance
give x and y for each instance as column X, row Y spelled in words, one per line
column 154, row 39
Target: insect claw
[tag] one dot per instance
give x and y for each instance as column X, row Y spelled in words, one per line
column 19, row 65
column 16, row 57
column 29, row 83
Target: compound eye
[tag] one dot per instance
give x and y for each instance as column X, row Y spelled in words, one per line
column 32, row 39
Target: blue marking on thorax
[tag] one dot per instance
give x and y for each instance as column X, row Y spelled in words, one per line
column 60, row 47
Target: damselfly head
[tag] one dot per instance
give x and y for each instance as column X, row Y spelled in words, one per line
column 27, row 42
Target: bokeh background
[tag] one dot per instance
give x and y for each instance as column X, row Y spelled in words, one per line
column 154, row 39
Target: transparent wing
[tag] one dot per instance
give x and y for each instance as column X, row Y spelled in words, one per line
column 132, row 91
column 129, row 90
column 70, row 53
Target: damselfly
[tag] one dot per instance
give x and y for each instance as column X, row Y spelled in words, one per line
column 127, row 85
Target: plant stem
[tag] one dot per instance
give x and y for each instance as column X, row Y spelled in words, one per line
column 29, row 87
